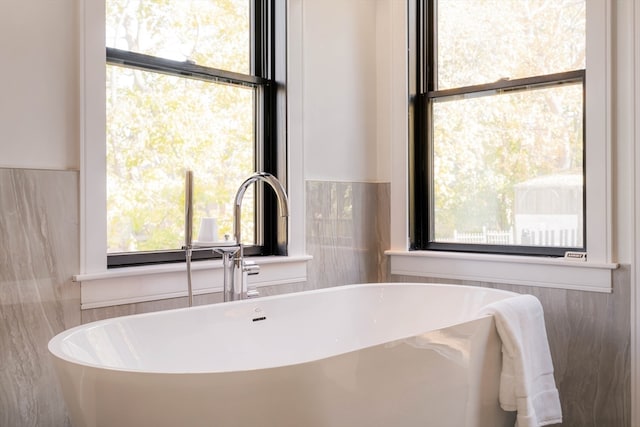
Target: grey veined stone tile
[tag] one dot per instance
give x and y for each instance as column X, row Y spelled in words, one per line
column 38, row 255
column 589, row 337
column 347, row 231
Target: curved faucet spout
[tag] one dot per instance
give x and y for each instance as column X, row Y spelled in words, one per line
column 278, row 188
column 232, row 256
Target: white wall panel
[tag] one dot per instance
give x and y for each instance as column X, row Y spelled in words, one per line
column 339, row 90
column 39, row 84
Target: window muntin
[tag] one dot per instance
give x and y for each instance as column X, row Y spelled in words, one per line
column 182, row 115
column 488, row 129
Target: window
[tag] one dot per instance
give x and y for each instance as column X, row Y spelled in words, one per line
column 190, row 85
column 498, row 132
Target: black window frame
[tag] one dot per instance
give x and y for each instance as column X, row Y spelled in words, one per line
column 422, row 89
column 268, row 78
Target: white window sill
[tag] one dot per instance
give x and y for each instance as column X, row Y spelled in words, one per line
column 155, row 282
column 517, row 270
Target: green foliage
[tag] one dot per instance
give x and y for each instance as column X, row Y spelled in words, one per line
column 158, row 126
column 484, row 146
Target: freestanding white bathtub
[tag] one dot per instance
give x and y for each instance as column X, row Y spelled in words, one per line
column 383, row 355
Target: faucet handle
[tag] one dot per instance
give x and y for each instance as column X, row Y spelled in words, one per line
column 251, row 268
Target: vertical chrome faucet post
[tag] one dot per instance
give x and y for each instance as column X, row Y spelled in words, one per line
column 228, row 253
column 188, row 230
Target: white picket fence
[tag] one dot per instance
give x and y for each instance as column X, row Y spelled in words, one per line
column 487, row 237
column 560, row 237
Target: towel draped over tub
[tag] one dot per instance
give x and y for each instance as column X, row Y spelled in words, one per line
column 526, row 382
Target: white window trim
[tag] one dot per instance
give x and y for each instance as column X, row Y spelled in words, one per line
column 593, row 274
column 103, row 287
column 131, row 285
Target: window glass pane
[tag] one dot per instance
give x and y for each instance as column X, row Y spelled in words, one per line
column 213, row 33
column 157, row 127
column 482, row 41
column 508, row 168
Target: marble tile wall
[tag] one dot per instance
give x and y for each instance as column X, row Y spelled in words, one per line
column 589, row 337
column 347, row 232
column 38, row 255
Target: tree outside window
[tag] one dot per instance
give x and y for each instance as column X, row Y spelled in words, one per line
column 502, row 126
column 161, row 124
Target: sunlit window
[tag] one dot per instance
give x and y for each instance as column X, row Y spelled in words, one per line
column 499, row 127
column 184, row 91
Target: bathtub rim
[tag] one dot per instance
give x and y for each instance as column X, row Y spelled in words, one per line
column 56, row 352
